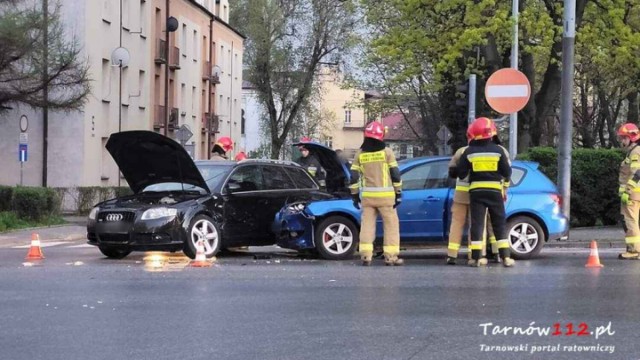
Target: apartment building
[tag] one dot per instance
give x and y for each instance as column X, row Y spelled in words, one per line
column 203, row 88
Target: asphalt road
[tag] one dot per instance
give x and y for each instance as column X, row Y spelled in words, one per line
column 76, row 304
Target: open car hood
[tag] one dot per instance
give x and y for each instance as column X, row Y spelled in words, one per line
column 146, row 158
column 337, row 173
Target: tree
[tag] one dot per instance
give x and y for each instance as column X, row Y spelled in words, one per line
column 24, row 74
column 287, row 41
column 454, row 38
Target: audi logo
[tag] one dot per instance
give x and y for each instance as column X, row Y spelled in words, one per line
column 113, row 217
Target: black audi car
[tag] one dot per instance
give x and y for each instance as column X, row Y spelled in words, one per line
column 177, row 202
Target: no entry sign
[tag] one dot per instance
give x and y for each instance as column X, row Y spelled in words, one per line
column 507, row 91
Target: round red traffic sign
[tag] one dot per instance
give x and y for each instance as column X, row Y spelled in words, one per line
column 507, row 91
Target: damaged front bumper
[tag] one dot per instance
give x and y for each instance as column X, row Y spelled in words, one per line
column 293, row 227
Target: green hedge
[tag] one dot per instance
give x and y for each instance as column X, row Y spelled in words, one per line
column 6, row 194
column 594, row 182
column 35, row 203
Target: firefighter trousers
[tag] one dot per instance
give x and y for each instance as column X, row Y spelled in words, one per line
column 391, row 226
column 631, row 214
column 481, row 202
column 459, row 214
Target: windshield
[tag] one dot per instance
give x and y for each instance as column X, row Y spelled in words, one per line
column 211, row 174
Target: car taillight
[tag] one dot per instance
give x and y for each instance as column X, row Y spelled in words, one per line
column 557, row 199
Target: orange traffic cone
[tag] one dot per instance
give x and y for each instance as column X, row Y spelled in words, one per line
column 35, row 252
column 201, row 258
column 594, row 258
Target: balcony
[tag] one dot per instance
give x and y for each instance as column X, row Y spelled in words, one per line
column 215, row 124
column 205, row 122
column 173, row 119
column 174, row 58
column 206, row 71
column 160, row 56
column 158, row 117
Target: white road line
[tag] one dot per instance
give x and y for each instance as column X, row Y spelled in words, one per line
column 42, row 244
column 82, row 246
column 507, row 91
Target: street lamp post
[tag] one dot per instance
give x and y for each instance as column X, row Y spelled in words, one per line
column 171, row 25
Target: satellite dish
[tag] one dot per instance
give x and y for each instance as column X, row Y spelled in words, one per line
column 120, row 57
column 215, row 71
column 172, row 24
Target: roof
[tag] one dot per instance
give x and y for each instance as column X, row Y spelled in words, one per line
column 399, row 129
column 216, row 18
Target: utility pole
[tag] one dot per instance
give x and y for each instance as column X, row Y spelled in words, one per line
column 167, row 111
column 513, row 117
column 472, row 98
column 45, row 90
column 566, row 105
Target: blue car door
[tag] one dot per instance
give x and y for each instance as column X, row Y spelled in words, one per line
column 425, row 192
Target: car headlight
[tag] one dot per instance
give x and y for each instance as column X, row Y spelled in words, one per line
column 157, row 213
column 296, row 208
column 94, row 213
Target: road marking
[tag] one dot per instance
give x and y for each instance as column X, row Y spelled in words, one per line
column 42, row 244
column 82, row 246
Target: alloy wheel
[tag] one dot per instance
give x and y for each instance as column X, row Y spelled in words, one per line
column 337, row 238
column 204, row 230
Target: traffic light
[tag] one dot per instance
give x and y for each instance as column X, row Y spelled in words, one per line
column 462, row 94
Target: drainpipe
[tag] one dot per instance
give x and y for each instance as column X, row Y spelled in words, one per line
column 210, row 108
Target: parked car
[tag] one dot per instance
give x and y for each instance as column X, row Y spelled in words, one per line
column 176, row 202
column 331, row 227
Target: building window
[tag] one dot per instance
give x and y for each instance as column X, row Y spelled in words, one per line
column 143, row 18
column 242, row 122
column 347, row 116
column 328, row 142
column 403, row 151
column 195, row 45
column 106, row 79
column 142, row 98
column 183, row 41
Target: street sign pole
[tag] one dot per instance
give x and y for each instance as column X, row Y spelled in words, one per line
column 513, row 117
column 472, row 98
column 566, row 106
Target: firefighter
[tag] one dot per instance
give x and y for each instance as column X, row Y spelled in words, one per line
column 629, row 190
column 487, row 166
column 310, row 163
column 459, row 213
column 220, row 149
column 377, row 186
column 241, row 156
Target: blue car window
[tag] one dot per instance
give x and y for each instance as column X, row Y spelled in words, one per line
column 428, row 176
column 517, row 174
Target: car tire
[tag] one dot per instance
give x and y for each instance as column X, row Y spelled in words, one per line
column 526, row 237
column 202, row 227
column 336, row 238
column 113, row 252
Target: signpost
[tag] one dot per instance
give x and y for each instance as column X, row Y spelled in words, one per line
column 23, row 141
column 508, row 91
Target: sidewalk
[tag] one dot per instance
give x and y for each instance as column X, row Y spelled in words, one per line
column 606, row 236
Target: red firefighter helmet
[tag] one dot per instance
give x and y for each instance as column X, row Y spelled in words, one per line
column 305, row 139
column 469, row 136
column 482, row 128
column 374, row 130
column 241, row 156
column 630, row 130
column 225, row 143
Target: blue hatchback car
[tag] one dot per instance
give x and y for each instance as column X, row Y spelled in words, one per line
column 331, row 227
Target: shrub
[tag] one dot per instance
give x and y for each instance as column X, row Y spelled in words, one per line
column 594, row 182
column 6, row 195
column 33, row 203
